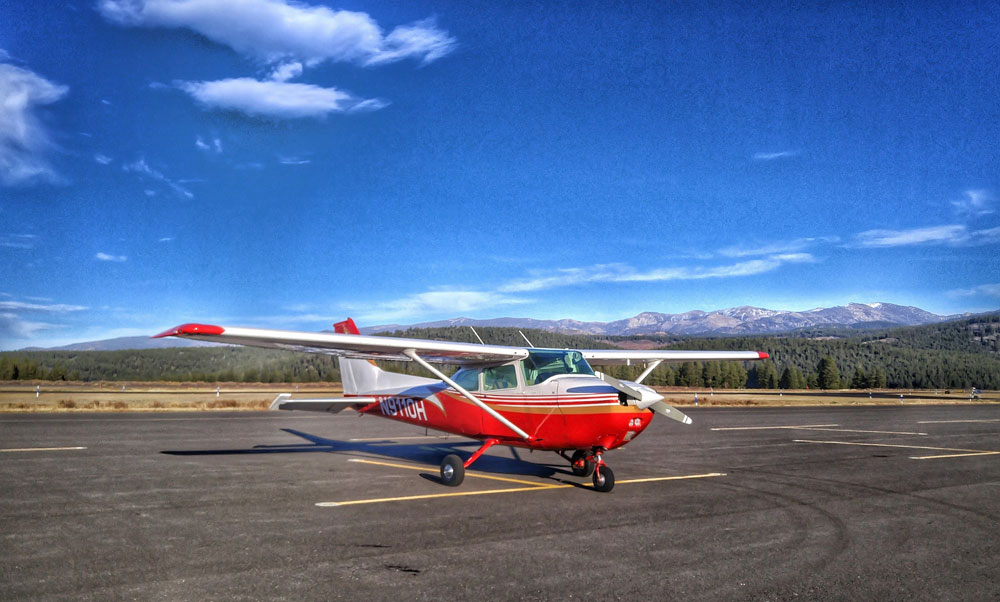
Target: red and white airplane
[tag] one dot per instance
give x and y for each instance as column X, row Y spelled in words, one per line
column 545, row 399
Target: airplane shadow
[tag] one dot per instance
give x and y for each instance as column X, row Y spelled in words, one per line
column 429, row 453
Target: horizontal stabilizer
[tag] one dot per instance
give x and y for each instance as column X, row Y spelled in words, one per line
column 331, row 404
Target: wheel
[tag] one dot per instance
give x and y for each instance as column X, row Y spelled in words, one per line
column 452, row 470
column 587, row 468
column 604, row 479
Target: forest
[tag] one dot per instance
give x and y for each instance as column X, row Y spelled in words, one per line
column 952, row 355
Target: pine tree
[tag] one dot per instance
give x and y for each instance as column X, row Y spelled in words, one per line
column 829, row 377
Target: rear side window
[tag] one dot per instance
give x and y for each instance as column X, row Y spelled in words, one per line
column 499, row 377
column 467, row 378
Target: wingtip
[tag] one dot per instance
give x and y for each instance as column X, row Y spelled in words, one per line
column 184, row 329
column 763, row 355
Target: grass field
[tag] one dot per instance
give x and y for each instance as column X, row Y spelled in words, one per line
column 20, row 396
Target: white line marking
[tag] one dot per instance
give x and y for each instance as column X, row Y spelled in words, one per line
column 812, row 427
column 31, row 449
column 963, row 452
column 956, row 421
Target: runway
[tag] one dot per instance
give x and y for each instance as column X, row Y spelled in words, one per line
column 873, row 503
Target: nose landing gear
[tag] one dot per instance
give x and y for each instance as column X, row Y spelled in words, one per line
column 586, row 463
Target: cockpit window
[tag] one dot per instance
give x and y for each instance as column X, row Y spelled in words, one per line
column 467, row 378
column 500, row 377
column 541, row 365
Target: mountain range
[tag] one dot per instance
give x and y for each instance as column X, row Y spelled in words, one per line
column 732, row 321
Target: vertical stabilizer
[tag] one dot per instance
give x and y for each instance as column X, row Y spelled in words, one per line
column 357, row 376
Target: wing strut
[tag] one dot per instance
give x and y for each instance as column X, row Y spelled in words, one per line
column 412, row 354
column 649, row 370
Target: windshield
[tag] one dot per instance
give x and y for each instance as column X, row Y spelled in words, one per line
column 544, row 364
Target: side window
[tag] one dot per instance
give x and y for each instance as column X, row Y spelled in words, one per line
column 467, row 378
column 530, row 372
column 500, row 377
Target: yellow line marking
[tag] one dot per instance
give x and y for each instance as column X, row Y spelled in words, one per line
column 534, row 486
column 763, row 428
column 965, row 452
column 954, row 421
column 468, row 474
column 985, row 453
column 30, row 449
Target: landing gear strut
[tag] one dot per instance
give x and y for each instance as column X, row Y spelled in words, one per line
column 604, row 479
column 453, row 468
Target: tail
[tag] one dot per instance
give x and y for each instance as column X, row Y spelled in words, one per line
column 357, row 376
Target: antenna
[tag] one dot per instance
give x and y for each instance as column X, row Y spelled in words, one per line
column 477, row 335
column 525, row 338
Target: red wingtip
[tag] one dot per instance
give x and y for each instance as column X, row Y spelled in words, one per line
column 346, row 327
column 763, row 355
column 190, row 329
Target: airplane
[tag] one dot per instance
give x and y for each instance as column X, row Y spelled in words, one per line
column 535, row 398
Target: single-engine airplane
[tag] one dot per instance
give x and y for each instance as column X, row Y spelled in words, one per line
column 545, row 399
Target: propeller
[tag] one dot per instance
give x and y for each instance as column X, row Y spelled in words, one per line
column 645, row 398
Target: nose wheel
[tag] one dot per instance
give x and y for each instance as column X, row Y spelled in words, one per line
column 590, row 463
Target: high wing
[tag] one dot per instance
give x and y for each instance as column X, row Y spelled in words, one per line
column 349, row 345
column 618, row 357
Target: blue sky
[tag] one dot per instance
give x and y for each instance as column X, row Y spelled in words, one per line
column 283, row 164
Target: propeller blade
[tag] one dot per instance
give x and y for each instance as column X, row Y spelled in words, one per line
column 643, row 397
column 669, row 411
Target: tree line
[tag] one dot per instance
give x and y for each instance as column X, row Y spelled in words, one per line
column 958, row 354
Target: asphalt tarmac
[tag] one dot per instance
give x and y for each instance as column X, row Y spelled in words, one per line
column 885, row 503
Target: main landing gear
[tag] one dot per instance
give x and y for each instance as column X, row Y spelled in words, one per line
column 453, row 468
column 586, row 463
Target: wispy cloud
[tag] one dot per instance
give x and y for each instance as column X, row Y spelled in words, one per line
column 213, row 145
column 143, row 169
column 276, row 99
column 21, row 306
column 21, row 320
column 102, row 159
column 976, row 203
column 167, row 239
column 18, row 241
column 24, row 140
column 439, row 302
column 778, row 247
column 293, row 160
column 989, row 290
column 951, row 234
column 436, row 302
column 278, row 31
column 774, row 155
column 109, row 257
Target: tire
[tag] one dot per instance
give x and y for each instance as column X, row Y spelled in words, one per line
column 604, row 480
column 452, row 470
column 588, row 464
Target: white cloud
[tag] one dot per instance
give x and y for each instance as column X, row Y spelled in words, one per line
column 18, row 241
column 436, row 302
column 293, row 160
column 788, row 246
column 115, row 258
column 167, row 239
column 143, row 169
column 214, row 145
column 39, row 308
column 276, row 99
column 976, row 203
column 624, row 273
column 24, row 140
column 102, row 159
column 773, row 156
column 287, row 71
column 948, row 234
column 990, row 290
column 280, row 31
column 14, row 327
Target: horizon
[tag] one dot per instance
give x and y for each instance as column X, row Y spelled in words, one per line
column 284, row 164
